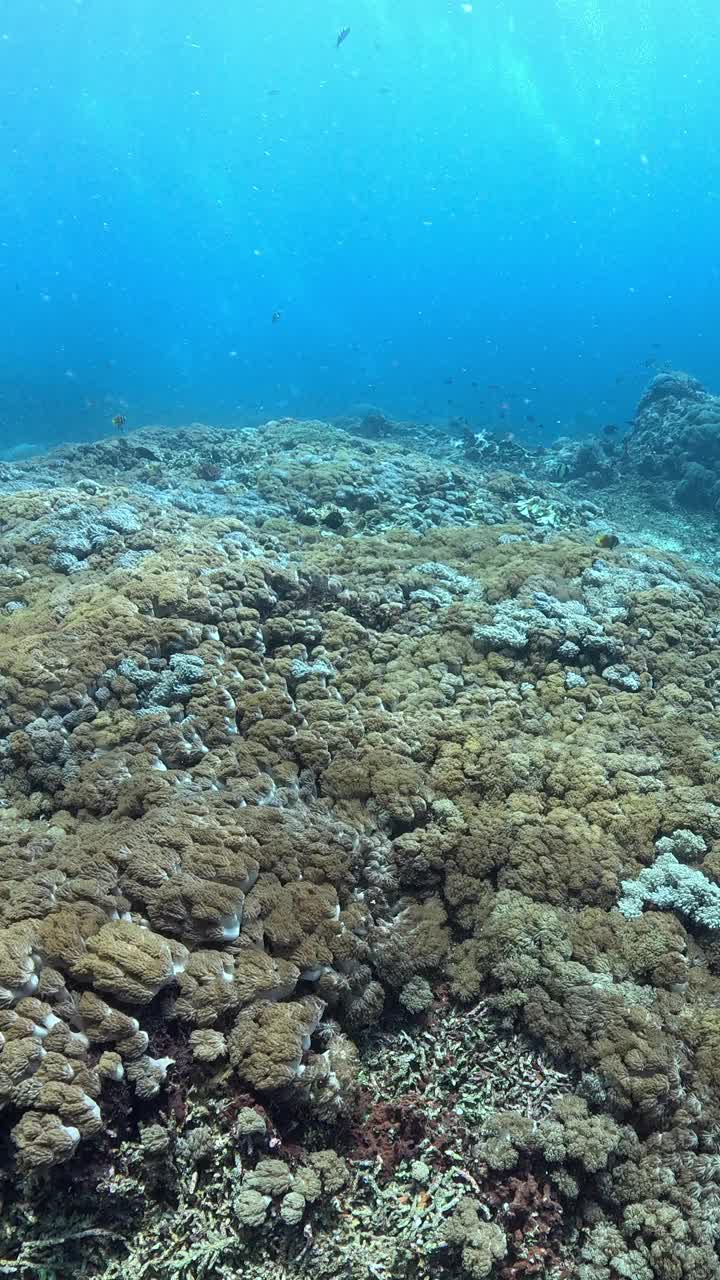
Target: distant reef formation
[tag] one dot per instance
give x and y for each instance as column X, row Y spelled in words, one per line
column 359, row 866
column 670, row 451
column 676, row 438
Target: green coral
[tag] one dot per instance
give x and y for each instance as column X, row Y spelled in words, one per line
column 292, row 1208
column 416, row 996
column 251, row 1207
column 572, row 1133
column 570, row 1140
column 330, row 1168
column 270, row 1177
column 481, row 1244
column 605, row 1256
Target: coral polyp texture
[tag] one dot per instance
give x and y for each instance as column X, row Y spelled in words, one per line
column 359, row 864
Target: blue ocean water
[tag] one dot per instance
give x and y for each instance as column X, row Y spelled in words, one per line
column 505, row 210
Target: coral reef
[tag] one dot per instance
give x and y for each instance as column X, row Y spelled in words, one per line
column 359, row 876
column 329, row 479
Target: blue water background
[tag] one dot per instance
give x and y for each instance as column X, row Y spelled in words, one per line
column 523, row 196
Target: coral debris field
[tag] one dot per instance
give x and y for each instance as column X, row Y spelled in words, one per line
column 360, row 869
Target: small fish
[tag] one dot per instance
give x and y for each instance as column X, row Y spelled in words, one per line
column 119, row 421
column 342, row 36
column 607, row 540
column 276, row 315
column 448, row 382
column 609, row 429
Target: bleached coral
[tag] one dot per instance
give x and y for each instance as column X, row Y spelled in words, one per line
column 676, row 886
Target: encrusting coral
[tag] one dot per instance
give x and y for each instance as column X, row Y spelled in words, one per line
column 270, row 785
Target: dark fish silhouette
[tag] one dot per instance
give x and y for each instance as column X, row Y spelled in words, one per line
column 276, row 315
column 343, row 35
column 610, row 429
